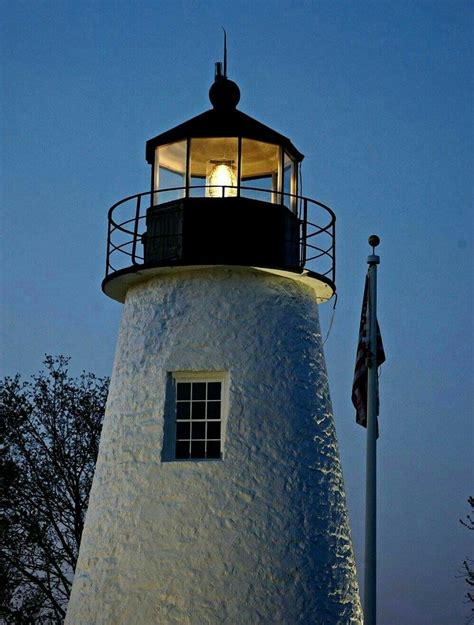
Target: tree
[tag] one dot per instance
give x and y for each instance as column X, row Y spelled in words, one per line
column 50, row 428
column 467, row 569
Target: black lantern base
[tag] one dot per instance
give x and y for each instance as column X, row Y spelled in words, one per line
column 222, row 231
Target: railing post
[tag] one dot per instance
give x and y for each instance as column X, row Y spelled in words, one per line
column 107, row 255
column 188, row 169
column 305, row 231
column 135, row 229
column 333, row 252
column 239, row 165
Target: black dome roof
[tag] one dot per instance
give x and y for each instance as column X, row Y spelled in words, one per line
column 224, row 120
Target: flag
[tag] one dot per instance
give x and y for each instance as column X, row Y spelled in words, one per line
column 359, row 385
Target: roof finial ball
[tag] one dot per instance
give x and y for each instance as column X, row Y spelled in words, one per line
column 374, row 241
column 224, row 93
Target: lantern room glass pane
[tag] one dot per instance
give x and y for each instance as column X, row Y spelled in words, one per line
column 289, row 182
column 170, row 172
column 260, row 170
column 213, row 167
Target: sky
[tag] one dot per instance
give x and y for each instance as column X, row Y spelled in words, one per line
column 378, row 96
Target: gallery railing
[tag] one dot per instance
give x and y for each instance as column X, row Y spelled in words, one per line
column 127, row 226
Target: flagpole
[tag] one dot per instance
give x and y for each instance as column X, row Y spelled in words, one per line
column 370, row 573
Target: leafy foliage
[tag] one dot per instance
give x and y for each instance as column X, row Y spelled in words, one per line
column 50, row 428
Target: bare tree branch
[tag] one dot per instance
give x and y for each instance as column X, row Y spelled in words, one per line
column 467, row 568
column 50, row 427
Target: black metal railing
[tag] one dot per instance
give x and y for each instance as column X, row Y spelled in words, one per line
column 127, row 226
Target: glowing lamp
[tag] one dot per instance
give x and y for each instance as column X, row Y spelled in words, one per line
column 221, row 179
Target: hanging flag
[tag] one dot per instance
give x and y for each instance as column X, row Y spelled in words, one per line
column 359, row 385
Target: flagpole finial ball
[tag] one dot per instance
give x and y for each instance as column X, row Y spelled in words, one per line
column 374, row 240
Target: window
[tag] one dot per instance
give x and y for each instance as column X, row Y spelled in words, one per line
column 260, row 170
column 169, row 172
column 289, row 182
column 213, row 167
column 194, row 421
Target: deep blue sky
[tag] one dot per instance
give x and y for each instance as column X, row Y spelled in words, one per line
column 379, row 97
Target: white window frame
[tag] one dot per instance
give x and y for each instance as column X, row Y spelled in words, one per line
column 198, row 376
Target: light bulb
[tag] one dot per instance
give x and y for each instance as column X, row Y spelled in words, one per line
column 221, row 174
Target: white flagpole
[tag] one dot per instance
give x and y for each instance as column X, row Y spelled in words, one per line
column 370, row 573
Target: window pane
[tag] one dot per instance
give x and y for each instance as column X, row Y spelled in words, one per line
column 199, row 409
column 214, row 390
column 213, row 163
column 170, row 171
column 199, row 390
column 182, row 449
column 197, row 187
column 289, row 182
column 198, row 449
column 183, row 410
column 214, row 410
column 260, row 169
column 183, row 390
column 183, row 430
column 213, row 449
column 214, row 429
column 199, row 430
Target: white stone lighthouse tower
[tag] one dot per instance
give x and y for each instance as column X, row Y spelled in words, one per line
column 218, row 497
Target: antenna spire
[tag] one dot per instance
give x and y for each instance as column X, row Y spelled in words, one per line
column 225, row 53
column 224, row 93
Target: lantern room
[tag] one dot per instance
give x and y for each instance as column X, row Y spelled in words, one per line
column 224, row 192
column 224, row 167
column 224, row 153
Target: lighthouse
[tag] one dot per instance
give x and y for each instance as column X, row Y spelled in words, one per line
column 218, row 497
